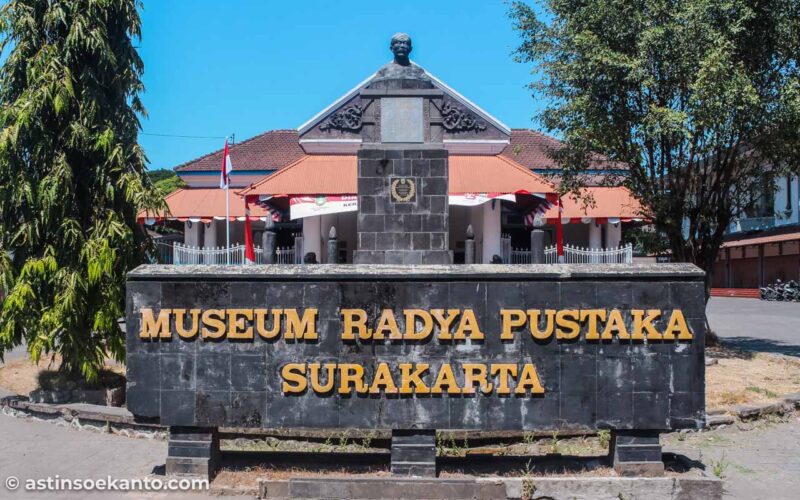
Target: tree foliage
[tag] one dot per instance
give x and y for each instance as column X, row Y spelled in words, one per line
column 165, row 180
column 72, row 176
column 701, row 98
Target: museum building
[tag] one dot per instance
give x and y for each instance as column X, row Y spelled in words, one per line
column 302, row 182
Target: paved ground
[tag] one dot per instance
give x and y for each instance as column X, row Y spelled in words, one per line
column 756, row 325
column 758, row 461
column 38, row 450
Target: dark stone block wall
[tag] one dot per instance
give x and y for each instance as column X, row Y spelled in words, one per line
column 588, row 385
column 394, row 232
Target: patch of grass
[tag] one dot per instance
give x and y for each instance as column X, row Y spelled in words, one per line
column 554, row 442
column 604, row 435
column 760, row 390
column 528, row 438
column 733, row 397
column 719, row 467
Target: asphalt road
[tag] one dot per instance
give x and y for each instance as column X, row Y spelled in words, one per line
column 756, row 325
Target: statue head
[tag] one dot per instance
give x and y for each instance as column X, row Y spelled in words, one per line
column 401, row 48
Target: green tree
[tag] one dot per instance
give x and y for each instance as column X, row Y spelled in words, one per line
column 165, row 180
column 701, row 98
column 72, row 176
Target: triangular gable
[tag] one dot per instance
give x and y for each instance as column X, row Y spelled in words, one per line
column 439, row 84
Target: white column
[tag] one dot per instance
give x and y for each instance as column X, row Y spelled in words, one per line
column 312, row 236
column 595, row 235
column 326, row 221
column 193, row 236
column 613, row 235
column 491, row 231
column 210, row 235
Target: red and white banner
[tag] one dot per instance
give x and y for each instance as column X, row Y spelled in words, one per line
column 307, row 206
column 226, row 168
column 475, row 199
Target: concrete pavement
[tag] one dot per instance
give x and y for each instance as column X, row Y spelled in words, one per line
column 32, row 449
column 758, row 461
column 756, row 325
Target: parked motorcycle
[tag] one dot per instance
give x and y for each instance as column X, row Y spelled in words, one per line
column 781, row 291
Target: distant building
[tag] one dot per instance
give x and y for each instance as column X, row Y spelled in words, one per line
column 306, row 179
column 763, row 245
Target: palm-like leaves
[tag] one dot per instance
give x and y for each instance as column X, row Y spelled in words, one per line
column 72, row 176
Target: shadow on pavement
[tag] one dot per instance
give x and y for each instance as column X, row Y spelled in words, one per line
column 752, row 344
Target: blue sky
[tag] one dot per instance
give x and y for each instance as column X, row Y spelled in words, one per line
column 213, row 68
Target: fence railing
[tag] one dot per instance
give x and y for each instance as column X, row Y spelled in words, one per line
column 578, row 255
column 284, row 255
column 184, row 254
column 521, row 256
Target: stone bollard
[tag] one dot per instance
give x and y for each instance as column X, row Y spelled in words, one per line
column 537, row 246
column 298, row 249
column 268, row 243
column 333, row 247
column 469, row 246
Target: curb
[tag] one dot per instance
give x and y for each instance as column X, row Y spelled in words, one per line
column 664, row 488
column 727, row 416
column 105, row 416
column 109, row 419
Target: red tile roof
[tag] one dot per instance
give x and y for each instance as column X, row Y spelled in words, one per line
column 278, row 148
column 317, row 174
column 531, row 149
column 337, row 174
column 204, row 203
column 268, row 151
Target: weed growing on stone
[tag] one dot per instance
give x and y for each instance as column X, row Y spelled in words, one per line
column 554, row 442
column 718, row 467
column 528, row 438
column 604, row 435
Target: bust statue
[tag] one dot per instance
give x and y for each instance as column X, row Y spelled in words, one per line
column 401, row 67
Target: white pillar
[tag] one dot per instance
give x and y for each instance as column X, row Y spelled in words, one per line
column 312, row 236
column 193, row 236
column 595, row 235
column 326, row 221
column 491, row 231
column 210, row 235
column 613, row 234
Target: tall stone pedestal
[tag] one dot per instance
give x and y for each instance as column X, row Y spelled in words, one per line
column 402, row 205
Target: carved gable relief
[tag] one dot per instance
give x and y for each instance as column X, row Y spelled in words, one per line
column 459, row 122
column 457, row 119
column 347, row 119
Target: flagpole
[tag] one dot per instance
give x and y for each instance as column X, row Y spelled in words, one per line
column 228, row 222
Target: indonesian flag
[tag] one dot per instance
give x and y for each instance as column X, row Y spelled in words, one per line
column 226, row 169
column 249, row 249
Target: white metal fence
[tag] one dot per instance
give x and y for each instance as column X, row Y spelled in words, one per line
column 284, row 255
column 183, row 254
column 578, row 255
column 521, row 256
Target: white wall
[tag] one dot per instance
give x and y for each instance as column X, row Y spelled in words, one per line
column 782, row 195
column 193, row 236
column 312, row 236
column 613, row 234
column 491, row 231
column 595, row 235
